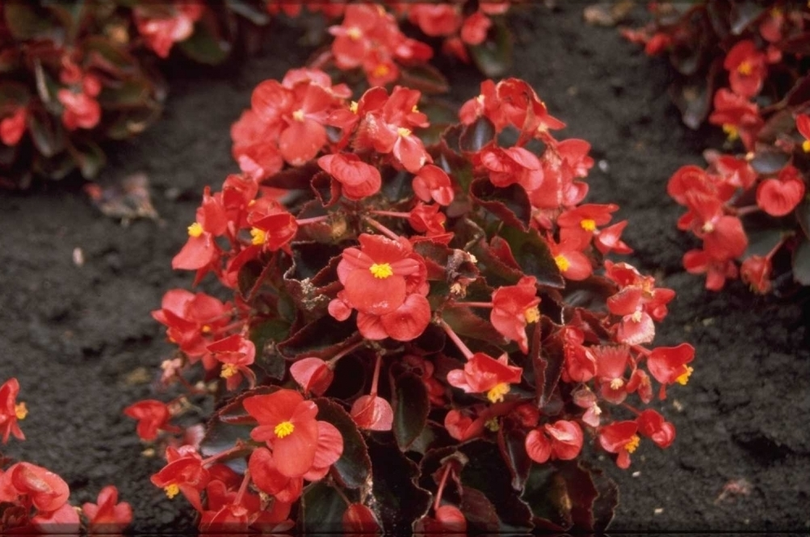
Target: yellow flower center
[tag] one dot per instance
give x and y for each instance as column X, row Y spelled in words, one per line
column 285, row 428
column 381, row 70
column 228, row 370
column 495, row 395
column 298, row 115
column 354, row 33
column 381, row 271
column 732, row 133
column 806, row 146
column 172, row 490
column 353, row 107
column 745, row 68
column 532, row 315
column 562, row 262
column 588, row 224
column 402, row 131
column 258, row 235
column 492, row 424
column 205, row 329
column 616, row 384
column 684, row 378
column 632, row 445
column 195, row 230
column 415, row 109
column 20, row 411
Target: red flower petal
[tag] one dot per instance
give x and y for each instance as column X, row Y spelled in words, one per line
column 409, row 320
column 373, row 413
column 778, row 198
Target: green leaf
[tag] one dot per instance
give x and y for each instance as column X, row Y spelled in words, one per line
column 511, row 204
column 768, row 161
column 466, row 323
column 265, row 336
column 47, row 135
column 512, row 443
column 25, row 21
column 494, row 56
column 411, row 406
column 322, row 510
column 205, row 45
column 801, row 263
column 803, row 215
column 398, row 500
column 249, row 277
column 425, row 78
column 320, row 338
column 533, row 255
column 476, row 135
column 353, row 468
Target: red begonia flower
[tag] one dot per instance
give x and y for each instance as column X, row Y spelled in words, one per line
column 152, row 416
column 462, row 427
column 357, row 179
column 200, row 250
column 287, row 423
column 779, row 196
column 514, row 306
column 803, row 125
column 435, row 20
column 183, row 473
column 255, row 146
column 512, row 165
column 747, row 68
column 573, row 264
column 373, row 413
column 107, row 515
column 273, row 230
column 756, row 272
column 620, row 438
column 668, row 365
column 652, row 425
column 43, row 489
column 305, row 133
column 80, row 110
column 433, row 183
column 192, row 319
column 312, row 374
column 265, row 475
column 10, row 410
column 234, row 511
column 236, row 353
column 359, row 519
column 700, row 262
column 427, row 219
column 482, row 373
column 475, row 28
column 166, row 25
column 378, row 276
column 405, row 323
column 562, row 440
column 63, row 520
column 13, row 127
column 739, row 117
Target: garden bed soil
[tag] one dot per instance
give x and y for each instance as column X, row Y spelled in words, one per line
column 81, row 341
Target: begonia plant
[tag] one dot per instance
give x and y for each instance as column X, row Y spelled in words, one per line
column 409, row 335
column 744, row 67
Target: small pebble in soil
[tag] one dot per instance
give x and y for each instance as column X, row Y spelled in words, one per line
column 677, row 405
column 636, row 473
column 78, row 257
column 604, row 166
column 658, row 510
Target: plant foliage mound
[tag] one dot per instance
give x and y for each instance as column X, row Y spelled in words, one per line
column 411, row 336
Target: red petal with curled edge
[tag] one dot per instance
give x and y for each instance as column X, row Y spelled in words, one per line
column 778, row 198
column 803, row 124
column 667, row 363
column 370, row 326
column 538, row 446
column 273, row 408
column 330, row 445
column 196, row 253
column 295, row 453
column 360, row 519
column 267, row 478
column 615, row 436
column 451, row 518
column 373, row 413
column 566, row 438
column 301, row 141
column 48, row 491
column 369, row 294
column 312, row 374
column 408, row 321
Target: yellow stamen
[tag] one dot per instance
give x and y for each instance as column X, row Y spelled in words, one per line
column 616, row 384
column 285, row 428
column 632, row 445
column 562, row 263
column 195, row 230
column 354, row 33
column 205, row 329
column 707, row 227
column 414, row 109
column 492, row 424
column 381, row 271
column 381, row 70
column 806, row 146
column 259, row 236
column 532, row 315
column 776, row 12
column 353, row 107
column 172, row 490
column 402, row 131
column 298, row 115
column 637, row 316
column 495, row 395
column 732, row 133
column 745, row 68
column 684, row 377
column 588, row 224
column 228, row 371
column 20, row 411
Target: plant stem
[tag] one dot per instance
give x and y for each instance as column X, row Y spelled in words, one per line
column 465, row 350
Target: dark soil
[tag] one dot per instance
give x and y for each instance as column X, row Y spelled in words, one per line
column 83, row 345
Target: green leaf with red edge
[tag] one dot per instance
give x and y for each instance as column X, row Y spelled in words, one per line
column 320, row 338
column 591, row 293
column 131, row 93
column 481, row 515
column 466, row 323
column 89, row 156
column 743, row 14
column 322, row 510
column 294, row 178
column 265, row 336
column 423, row 77
column 797, row 44
column 398, row 500
column 326, row 189
column 106, row 54
column 47, row 135
column 494, row 56
column 533, row 255
column 511, row 204
column 55, row 167
column 493, row 266
column 233, row 412
column 768, row 161
column 411, row 407
column 545, row 494
column 604, row 507
column 249, row 277
column 512, row 443
column 13, row 93
column 130, row 121
column 801, row 263
column 548, row 357
column 803, row 215
column 353, row 468
column 206, row 44
column 477, row 135
column 799, row 93
column 26, row 21
column 486, row 471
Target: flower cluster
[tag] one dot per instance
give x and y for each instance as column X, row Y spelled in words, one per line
column 35, row 500
column 748, row 206
column 448, row 300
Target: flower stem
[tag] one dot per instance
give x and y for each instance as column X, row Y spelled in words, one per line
column 242, row 487
column 465, row 350
column 313, row 220
column 376, row 378
column 471, row 304
column 440, row 491
column 392, row 214
column 381, row 228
